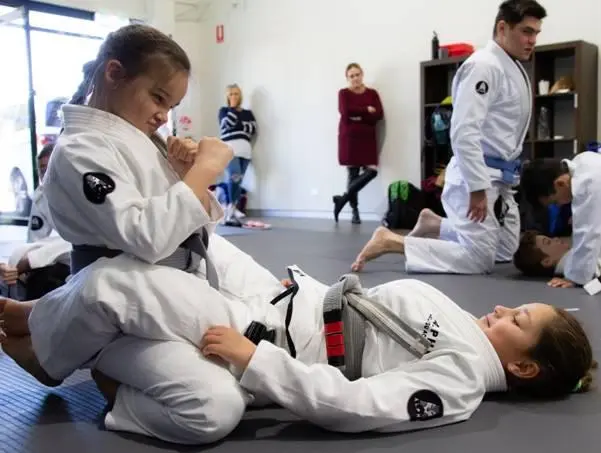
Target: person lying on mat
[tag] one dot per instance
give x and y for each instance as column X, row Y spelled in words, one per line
column 575, row 181
column 542, row 256
column 187, row 362
column 113, row 185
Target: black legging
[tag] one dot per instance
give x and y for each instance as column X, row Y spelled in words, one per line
column 357, row 181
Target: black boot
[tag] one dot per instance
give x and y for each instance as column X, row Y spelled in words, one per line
column 358, row 184
column 356, row 220
column 339, row 202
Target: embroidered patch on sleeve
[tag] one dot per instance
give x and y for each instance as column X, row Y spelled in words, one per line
column 482, row 87
column 96, row 186
column 424, row 405
column 36, row 223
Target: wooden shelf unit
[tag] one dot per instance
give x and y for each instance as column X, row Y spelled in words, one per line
column 572, row 116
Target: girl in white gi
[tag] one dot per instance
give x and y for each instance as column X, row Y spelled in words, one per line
column 578, row 182
column 109, row 187
column 114, row 195
column 491, row 112
column 347, row 374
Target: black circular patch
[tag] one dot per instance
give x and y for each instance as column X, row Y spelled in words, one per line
column 482, row 87
column 96, row 186
column 424, row 405
column 36, row 223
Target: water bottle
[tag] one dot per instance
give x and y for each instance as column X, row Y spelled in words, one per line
column 544, row 125
column 435, row 47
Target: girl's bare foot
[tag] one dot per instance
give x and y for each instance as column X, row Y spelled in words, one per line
column 14, row 316
column 107, row 386
column 428, row 223
column 20, row 350
column 382, row 241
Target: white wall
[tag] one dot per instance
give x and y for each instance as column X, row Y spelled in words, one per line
column 289, row 57
column 189, row 35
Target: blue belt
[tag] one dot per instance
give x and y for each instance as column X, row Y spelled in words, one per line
column 510, row 169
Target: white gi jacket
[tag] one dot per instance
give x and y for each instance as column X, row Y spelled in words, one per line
column 42, row 253
column 108, row 185
column 580, row 264
column 44, row 246
column 492, row 105
column 397, row 392
column 40, row 223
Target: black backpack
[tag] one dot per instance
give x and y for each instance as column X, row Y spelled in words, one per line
column 405, row 202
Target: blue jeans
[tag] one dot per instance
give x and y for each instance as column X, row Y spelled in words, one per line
column 235, row 173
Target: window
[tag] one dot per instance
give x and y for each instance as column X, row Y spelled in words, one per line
column 101, row 26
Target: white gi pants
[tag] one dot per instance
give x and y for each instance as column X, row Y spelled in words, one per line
column 147, row 321
column 467, row 247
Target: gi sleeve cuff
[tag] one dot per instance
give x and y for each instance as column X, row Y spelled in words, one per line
column 255, row 375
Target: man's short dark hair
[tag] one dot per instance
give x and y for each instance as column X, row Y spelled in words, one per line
column 537, row 179
column 515, row 11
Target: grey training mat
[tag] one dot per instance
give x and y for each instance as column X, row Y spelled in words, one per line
column 69, row 419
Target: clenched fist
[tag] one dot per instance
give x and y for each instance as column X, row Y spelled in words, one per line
column 228, row 344
column 9, row 275
column 213, row 157
column 181, row 154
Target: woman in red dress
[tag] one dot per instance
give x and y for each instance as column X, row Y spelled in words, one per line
column 360, row 110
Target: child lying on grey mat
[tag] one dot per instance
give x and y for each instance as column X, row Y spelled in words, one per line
column 182, row 361
column 542, row 256
column 575, row 182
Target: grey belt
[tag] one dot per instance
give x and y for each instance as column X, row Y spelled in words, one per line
column 84, row 255
column 348, row 299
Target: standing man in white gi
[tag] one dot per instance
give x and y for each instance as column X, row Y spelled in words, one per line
column 492, row 107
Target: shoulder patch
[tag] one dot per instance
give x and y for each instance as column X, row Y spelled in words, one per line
column 424, row 405
column 36, row 223
column 96, row 186
column 482, row 87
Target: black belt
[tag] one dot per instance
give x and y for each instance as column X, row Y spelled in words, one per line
column 257, row 331
column 84, row 255
column 501, row 208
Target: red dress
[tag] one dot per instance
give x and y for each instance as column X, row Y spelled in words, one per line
column 357, row 138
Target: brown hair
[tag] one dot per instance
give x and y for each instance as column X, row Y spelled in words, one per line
column 528, row 258
column 351, row 66
column 565, row 358
column 139, row 48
